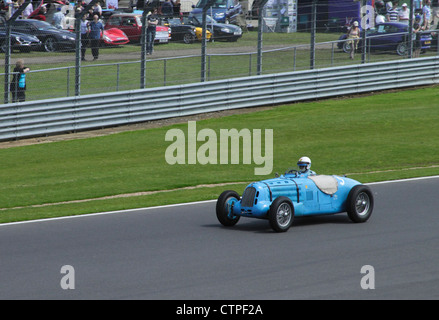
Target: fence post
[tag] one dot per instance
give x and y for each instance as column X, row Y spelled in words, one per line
column 206, row 6
column 313, row 34
column 143, row 50
column 411, row 29
column 363, row 33
column 260, row 30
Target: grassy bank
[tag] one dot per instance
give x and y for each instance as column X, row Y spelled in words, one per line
column 372, row 138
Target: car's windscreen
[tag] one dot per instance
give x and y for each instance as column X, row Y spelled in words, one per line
column 40, row 25
column 209, row 19
column 387, row 28
column 174, row 22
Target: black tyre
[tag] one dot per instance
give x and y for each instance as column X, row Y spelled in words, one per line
column 347, row 47
column 224, row 206
column 188, row 38
column 3, row 46
column 402, row 49
column 360, row 203
column 281, row 214
column 50, row 44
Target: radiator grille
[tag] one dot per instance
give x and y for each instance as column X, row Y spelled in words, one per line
column 248, row 197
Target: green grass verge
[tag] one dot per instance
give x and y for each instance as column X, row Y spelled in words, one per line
column 372, row 138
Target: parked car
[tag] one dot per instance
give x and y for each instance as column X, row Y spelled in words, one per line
column 199, row 34
column 180, row 32
column 131, row 25
column 175, row 22
column 114, row 37
column 223, row 11
column 388, row 36
column 281, row 199
column 19, row 41
column 220, row 31
column 52, row 39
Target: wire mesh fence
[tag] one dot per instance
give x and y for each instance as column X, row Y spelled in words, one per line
column 290, row 35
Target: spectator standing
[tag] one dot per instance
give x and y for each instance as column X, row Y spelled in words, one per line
column 177, row 8
column 85, row 30
column 97, row 9
column 426, row 13
column 18, row 84
column 27, row 11
column 417, row 29
column 404, row 14
column 392, row 13
column 353, row 37
column 95, row 34
column 152, row 21
column 112, row 4
column 167, row 8
column 41, row 14
column 435, row 11
column 58, row 19
column 380, row 11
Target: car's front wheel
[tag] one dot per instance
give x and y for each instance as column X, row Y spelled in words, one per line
column 360, row 203
column 224, row 208
column 347, row 47
column 3, row 46
column 188, row 38
column 50, row 44
column 281, row 214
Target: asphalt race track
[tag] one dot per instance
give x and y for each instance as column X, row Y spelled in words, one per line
column 182, row 252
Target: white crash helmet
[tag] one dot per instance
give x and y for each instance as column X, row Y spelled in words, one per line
column 304, row 164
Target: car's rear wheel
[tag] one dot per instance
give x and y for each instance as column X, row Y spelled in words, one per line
column 281, row 214
column 224, row 208
column 402, row 49
column 360, row 203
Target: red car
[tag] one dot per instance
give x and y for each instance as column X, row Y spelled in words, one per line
column 114, row 37
column 131, row 25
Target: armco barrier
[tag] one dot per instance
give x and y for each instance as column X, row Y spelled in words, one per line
column 45, row 117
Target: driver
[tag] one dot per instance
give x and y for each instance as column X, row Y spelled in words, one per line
column 304, row 165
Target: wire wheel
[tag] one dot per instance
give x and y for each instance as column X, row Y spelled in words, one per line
column 50, row 44
column 281, row 214
column 362, row 204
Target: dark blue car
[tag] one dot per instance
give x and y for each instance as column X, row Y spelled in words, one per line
column 388, row 36
column 19, row 41
column 223, row 11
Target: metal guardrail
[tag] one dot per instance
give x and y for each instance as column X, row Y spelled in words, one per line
column 45, row 117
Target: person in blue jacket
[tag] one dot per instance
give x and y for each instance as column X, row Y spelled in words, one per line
column 18, row 83
column 95, row 35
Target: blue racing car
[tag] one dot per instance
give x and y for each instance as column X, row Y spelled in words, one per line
column 297, row 193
